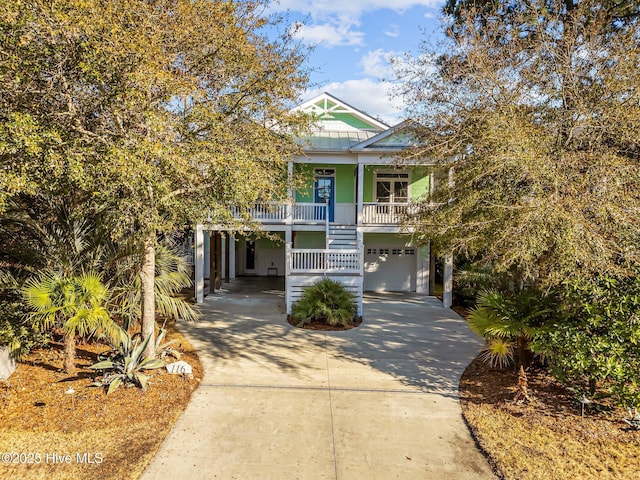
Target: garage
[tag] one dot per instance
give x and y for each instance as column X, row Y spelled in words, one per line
column 389, row 268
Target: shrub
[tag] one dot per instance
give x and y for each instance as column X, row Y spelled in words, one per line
column 327, row 301
column 18, row 336
column 596, row 348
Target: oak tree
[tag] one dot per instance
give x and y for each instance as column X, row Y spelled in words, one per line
column 536, row 106
column 164, row 111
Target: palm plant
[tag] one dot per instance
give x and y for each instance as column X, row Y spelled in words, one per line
column 75, row 304
column 327, row 301
column 172, row 276
column 41, row 233
column 508, row 322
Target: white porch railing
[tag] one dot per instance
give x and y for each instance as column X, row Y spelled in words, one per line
column 265, row 212
column 276, row 212
column 324, row 261
column 309, row 212
column 380, row 213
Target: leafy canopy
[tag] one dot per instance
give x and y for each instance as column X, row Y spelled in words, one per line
column 537, row 113
column 160, row 109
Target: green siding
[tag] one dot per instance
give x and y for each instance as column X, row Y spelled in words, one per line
column 419, row 182
column 351, row 120
column 387, row 239
column 305, row 195
column 270, row 244
column 310, row 240
column 420, row 177
column 344, row 183
column 367, row 187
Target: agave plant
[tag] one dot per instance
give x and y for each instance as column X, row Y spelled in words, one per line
column 126, row 364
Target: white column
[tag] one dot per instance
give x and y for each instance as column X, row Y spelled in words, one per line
column 232, row 256
column 422, row 269
column 360, row 195
column 447, row 294
column 290, row 195
column 287, row 276
column 198, row 262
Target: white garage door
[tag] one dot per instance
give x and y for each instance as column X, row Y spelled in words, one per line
column 389, row 268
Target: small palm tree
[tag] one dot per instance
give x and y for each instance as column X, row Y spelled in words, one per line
column 76, row 304
column 508, row 322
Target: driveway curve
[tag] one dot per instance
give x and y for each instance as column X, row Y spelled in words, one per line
column 276, row 402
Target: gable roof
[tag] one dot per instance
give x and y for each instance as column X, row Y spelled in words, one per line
column 394, row 138
column 338, row 125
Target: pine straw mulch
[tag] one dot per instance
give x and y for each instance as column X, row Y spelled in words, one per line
column 90, row 435
column 323, row 326
column 546, row 439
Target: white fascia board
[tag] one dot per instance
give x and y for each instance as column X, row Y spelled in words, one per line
column 301, row 227
column 369, row 158
column 328, row 159
column 375, row 123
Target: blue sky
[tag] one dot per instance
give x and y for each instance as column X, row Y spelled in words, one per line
column 353, row 40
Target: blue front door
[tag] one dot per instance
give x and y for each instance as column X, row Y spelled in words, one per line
column 324, row 193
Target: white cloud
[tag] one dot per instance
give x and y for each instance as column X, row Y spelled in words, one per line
column 336, row 32
column 352, row 8
column 375, row 63
column 369, row 96
column 392, row 31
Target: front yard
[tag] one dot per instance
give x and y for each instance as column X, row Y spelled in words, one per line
column 47, row 433
column 546, row 439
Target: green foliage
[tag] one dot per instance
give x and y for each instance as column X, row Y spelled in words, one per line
column 159, row 112
column 597, row 345
column 17, row 335
column 471, row 278
column 541, row 133
column 510, row 321
column 172, row 276
column 327, row 301
column 127, row 362
column 75, row 304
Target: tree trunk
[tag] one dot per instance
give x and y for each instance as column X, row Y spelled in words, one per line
column 69, row 362
column 147, row 278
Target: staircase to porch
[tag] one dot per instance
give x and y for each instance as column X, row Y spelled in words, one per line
column 341, row 261
column 341, row 237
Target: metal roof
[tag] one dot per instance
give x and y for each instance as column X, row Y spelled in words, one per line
column 336, row 140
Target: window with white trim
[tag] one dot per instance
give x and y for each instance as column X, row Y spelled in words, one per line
column 391, row 187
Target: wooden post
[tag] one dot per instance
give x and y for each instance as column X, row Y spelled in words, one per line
column 212, row 262
column 227, row 256
column 432, row 270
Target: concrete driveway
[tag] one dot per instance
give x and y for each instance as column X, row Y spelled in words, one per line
column 376, row 402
